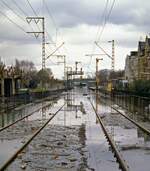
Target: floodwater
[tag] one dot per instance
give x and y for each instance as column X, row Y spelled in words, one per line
column 13, row 137
column 78, row 112
column 133, row 143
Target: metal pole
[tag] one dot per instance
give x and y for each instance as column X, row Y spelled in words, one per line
column 97, row 60
column 43, row 44
column 96, row 73
column 64, row 67
column 36, row 33
column 113, row 55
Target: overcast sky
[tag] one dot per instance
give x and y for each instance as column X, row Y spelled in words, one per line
column 78, row 24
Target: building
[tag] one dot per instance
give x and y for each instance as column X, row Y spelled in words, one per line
column 131, row 67
column 137, row 65
column 9, row 81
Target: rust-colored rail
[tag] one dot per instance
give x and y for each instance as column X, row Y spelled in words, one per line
column 131, row 120
column 14, row 156
column 122, row 164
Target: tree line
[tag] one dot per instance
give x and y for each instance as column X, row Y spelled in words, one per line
column 30, row 76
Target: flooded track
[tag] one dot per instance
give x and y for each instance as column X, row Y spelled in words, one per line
column 73, row 140
column 22, row 125
column 131, row 135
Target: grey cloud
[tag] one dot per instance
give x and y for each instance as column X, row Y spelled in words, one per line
column 71, row 13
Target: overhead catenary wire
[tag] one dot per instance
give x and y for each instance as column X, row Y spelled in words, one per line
column 49, row 13
column 13, row 22
column 20, row 16
column 18, row 6
column 31, row 7
column 102, row 20
column 55, row 25
column 18, row 26
column 35, row 13
column 106, row 20
column 25, row 12
column 8, row 6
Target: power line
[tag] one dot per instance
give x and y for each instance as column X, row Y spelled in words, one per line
column 49, row 13
column 37, row 25
column 18, row 6
column 31, row 7
column 105, row 21
column 5, row 4
column 19, row 27
column 103, row 17
column 53, row 20
column 35, row 13
column 13, row 22
column 107, row 18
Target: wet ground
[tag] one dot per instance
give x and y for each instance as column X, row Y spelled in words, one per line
column 74, row 140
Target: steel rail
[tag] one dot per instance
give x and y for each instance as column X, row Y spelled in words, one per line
column 131, row 120
column 13, row 157
column 128, row 118
column 122, row 164
column 7, row 126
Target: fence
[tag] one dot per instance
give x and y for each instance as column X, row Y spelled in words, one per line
column 134, row 104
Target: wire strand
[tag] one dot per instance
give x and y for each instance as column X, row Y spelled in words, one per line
column 106, row 20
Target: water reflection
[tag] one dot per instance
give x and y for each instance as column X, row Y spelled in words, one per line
column 132, row 141
column 7, row 118
column 73, row 104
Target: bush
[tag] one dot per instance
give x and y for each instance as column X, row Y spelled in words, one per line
column 141, row 87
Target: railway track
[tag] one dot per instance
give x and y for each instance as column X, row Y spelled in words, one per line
column 133, row 121
column 116, row 150
column 131, row 136
column 140, row 126
column 26, row 116
column 122, row 164
column 14, row 156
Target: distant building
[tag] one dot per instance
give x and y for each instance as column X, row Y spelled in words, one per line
column 131, row 67
column 137, row 65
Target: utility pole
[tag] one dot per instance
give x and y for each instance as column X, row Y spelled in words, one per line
column 37, row 33
column 81, row 75
column 109, row 56
column 67, row 75
column 76, row 65
column 113, row 54
column 64, row 62
column 97, row 80
column 97, row 61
